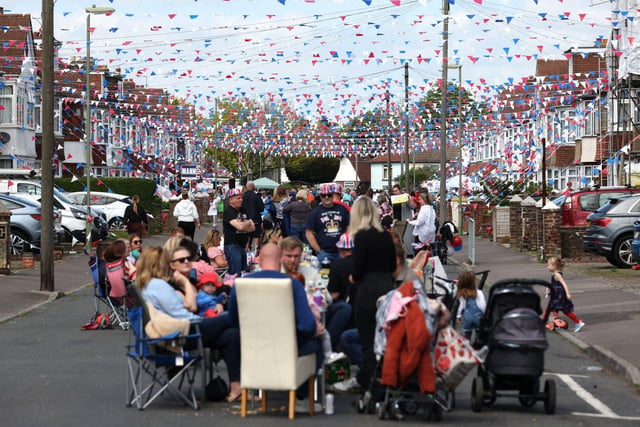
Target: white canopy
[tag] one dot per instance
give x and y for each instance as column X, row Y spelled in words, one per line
column 347, row 172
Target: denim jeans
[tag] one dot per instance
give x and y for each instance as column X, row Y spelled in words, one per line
column 338, row 319
column 299, row 231
column 236, row 258
column 350, row 344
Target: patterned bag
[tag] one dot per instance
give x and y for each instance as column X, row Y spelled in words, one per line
column 454, row 357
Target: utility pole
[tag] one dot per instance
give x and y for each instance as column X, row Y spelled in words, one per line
column 406, row 125
column 387, row 129
column 442, row 217
column 47, row 280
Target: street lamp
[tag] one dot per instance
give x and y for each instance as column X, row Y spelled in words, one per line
column 87, row 119
column 459, row 67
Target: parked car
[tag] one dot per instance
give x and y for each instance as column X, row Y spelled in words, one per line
column 74, row 217
column 635, row 244
column 610, row 230
column 112, row 204
column 25, row 227
column 579, row 204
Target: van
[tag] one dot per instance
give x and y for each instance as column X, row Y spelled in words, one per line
column 579, row 204
column 74, row 217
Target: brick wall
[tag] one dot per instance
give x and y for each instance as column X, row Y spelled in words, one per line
column 515, row 221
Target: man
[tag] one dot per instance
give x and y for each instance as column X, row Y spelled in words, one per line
column 253, row 206
column 326, row 223
column 269, row 261
column 402, row 213
column 338, row 315
column 236, row 229
column 337, row 198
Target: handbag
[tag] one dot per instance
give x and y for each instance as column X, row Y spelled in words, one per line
column 454, row 356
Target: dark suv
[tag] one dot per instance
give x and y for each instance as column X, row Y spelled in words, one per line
column 610, row 230
column 579, row 204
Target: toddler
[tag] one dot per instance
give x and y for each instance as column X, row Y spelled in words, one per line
column 209, row 299
column 472, row 303
column 560, row 296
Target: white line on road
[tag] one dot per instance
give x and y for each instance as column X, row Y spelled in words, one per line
column 604, row 410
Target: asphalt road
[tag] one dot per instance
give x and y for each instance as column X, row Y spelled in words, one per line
column 55, row 374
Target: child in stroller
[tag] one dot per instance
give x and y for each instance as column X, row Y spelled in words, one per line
column 516, row 337
column 406, row 322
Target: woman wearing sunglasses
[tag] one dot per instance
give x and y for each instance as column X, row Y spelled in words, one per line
column 156, row 268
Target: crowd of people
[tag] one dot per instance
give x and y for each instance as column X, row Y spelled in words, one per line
column 351, row 234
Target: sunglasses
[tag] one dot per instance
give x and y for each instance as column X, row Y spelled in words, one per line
column 182, row 260
column 136, row 241
column 324, row 196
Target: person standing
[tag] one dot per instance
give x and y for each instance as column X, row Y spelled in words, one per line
column 326, row 223
column 299, row 211
column 237, row 229
column 374, row 261
column 253, row 206
column 135, row 217
column 187, row 214
column 424, row 226
column 561, row 299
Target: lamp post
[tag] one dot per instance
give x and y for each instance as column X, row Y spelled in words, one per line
column 459, row 67
column 87, row 119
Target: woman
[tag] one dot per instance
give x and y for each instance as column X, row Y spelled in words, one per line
column 299, row 211
column 424, row 226
column 211, row 244
column 187, row 214
column 135, row 217
column 280, row 200
column 374, row 261
column 179, row 301
column 135, row 247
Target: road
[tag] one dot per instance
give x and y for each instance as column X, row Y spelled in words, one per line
column 55, row 374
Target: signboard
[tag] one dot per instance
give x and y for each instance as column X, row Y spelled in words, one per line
column 189, row 172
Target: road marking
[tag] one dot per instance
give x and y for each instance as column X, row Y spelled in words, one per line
column 603, row 410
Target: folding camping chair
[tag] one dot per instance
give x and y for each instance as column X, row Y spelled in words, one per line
column 161, row 366
column 117, row 298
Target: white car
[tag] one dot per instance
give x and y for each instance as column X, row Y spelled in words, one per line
column 112, row 204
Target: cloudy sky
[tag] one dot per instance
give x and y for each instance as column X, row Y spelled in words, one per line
column 325, row 57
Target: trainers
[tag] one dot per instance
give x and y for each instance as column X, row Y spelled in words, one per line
column 334, row 357
column 302, row 406
column 578, row 326
column 347, row 386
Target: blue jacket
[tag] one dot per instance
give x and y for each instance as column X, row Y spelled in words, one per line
column 206, row 301
column 305, row 322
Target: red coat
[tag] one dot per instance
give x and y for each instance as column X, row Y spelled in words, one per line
column 408, row 351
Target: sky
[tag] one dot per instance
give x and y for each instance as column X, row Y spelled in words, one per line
column 330, row 58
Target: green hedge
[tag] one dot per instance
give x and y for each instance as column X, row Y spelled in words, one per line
column 145, row 188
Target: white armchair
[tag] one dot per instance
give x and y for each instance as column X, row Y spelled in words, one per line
column 268, row 344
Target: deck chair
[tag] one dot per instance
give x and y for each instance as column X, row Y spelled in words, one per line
column 268, row 343
column 160, row 366
column 117, row 298
column 100, row 294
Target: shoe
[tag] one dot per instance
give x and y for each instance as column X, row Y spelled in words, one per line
column 578, row 326
column 334, row 357
column 347, row 386
column 302, row 406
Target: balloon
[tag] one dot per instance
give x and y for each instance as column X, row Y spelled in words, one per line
column 456, row 241
column 457, row 248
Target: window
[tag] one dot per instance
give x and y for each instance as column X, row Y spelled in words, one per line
column 6, row 103
column 385, row 172
column 27, row 188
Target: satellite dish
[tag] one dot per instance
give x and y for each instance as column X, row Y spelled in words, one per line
column 4, row 137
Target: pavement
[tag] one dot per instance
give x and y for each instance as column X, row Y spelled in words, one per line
column 611, row 310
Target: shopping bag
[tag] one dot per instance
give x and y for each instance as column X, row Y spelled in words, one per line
column 454, row 356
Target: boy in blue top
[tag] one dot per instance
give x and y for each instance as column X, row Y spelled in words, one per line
column 210, row 301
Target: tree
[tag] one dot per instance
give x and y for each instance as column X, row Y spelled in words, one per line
column 425, row 173
column 312, row 169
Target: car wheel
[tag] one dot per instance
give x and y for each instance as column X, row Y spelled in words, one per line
column 622, row 251
column 19, row 242
column 117, row 224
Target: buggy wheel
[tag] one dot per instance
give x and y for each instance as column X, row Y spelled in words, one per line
column 550, row 397
column 529, row 398
column 383, row 410
column 527, row 402
column 477, row 392
column 407, row 405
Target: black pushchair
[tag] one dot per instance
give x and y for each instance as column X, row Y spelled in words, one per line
column 516, row 337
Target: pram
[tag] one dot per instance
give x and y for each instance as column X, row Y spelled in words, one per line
column 516, row 337
column 408, row 368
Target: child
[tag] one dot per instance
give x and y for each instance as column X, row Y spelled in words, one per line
column 215, row 255
column 560, row 296
column 210, row 301
column 321, row 332
column 472, row 303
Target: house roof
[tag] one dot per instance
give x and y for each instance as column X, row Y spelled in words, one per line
column 15, row 37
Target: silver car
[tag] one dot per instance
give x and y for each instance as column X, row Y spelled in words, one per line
column 25, row 226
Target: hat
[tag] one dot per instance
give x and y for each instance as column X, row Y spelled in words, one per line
column 209, row 277
column 234, row 192
column 345, row 242
column 328, row 188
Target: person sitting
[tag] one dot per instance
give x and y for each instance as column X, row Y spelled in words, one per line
column 212, row 245
column 180, row 302
column 210, row 298
column 308, row 343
